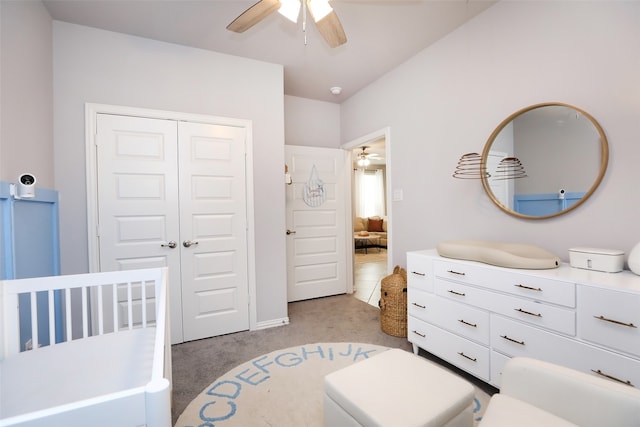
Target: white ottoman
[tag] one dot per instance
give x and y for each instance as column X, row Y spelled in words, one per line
column 397, row 389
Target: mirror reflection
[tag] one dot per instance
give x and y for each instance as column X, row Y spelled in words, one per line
column 563, row 150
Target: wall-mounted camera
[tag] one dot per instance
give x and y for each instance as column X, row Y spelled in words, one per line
column 26, row 186
column 561, row 193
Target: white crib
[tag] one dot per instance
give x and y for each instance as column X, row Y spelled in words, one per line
column 103, row 357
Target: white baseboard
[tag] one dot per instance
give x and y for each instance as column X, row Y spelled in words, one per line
column 272, row 323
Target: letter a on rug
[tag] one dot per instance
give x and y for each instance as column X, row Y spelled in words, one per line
column 282, row 388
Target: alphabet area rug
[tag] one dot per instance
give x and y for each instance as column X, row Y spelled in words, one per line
column 283, row 388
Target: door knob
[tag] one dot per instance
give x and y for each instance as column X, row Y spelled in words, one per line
column 188, row 243
column 290, row 232
column 171, row 244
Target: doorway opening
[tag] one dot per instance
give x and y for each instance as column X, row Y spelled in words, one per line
column 370, row 212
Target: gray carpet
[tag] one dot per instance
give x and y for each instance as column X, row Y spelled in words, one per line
column 341, row 318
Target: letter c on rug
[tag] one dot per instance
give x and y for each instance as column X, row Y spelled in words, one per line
column 205, row 408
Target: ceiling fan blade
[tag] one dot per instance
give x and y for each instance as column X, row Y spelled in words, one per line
column 253, row 15
column 331, row 30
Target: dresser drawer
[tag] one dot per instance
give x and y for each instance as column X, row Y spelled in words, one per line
column 609, row 318
column 460, row 292
column 419, row 272
column 548, row 316
column 516, row 339
column 463, row 353
column 528, row 285
column 460, row 319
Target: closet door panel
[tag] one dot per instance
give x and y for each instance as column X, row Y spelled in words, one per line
column 213, row 229
column 138, row 211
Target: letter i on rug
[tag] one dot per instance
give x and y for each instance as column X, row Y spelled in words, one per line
column 283, row 388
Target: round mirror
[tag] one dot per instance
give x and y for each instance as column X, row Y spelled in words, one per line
column 544, row 160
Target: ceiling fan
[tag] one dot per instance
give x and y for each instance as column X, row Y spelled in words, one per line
column 323, row 15
column 364, row 158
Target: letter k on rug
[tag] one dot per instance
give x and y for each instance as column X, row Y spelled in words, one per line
column 283, row 388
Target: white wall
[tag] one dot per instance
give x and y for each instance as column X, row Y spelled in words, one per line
column 97, row 66
column 26, row 92
column 447, row 100
column 311, row 123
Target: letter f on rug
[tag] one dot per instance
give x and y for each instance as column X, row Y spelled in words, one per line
column 279, row 389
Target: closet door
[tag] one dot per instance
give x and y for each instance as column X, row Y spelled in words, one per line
column 138, row 209
column 173, row 194
column 213, row 229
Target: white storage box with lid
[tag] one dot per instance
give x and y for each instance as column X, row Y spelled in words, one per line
column 607, row 260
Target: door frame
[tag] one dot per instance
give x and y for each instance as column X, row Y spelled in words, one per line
column 349, row 146
column 91, row 113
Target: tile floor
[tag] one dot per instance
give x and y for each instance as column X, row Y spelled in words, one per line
column 369, row 269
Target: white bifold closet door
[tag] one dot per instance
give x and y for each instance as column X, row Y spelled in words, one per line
column 172, row 193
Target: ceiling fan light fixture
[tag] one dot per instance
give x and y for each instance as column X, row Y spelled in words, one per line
column 363, row 161
column 290, row 9
column 319, row 9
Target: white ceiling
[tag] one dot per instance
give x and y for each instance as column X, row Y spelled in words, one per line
column 380, row 34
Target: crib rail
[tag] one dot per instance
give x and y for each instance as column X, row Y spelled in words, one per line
column 45, row 311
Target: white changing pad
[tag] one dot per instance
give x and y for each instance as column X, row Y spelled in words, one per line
column 511, row 255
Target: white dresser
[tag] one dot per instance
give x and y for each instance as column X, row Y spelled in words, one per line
column 476, row 316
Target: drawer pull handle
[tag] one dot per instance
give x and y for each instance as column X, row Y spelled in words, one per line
column 529, row 288
column 455, row 272
column 418, row 305
column 460, row 294
column 467, row 323
column 473, row 359
column 617, row 322
column 611, row 377
column 418, row 274
column 419, row 334
column 528, row 312
column 512, row 340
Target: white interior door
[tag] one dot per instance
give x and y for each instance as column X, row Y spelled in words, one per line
column 501, row 188
column 162, row 186
column 317, row 237
column 138, row 210
column 213, row 229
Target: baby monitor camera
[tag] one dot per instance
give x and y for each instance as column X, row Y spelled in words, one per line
column 26, row 186
column 561, row 193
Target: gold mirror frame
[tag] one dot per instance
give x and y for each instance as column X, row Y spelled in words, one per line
column 604, row 159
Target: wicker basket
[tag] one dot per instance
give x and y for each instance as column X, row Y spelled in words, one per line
column 393, row 303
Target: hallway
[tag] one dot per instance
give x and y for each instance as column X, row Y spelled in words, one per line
column 369, row 269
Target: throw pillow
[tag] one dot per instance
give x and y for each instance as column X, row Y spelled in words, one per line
column 375, row 225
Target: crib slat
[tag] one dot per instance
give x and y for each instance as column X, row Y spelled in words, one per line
column 34, row 320
column 100, row 311
column 69, row 323
column 52, row 320
column 115, row 307
column 144, row 303
column 85, row 322
column 129, row 306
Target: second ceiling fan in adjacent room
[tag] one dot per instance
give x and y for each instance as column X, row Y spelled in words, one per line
column 323, row 15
